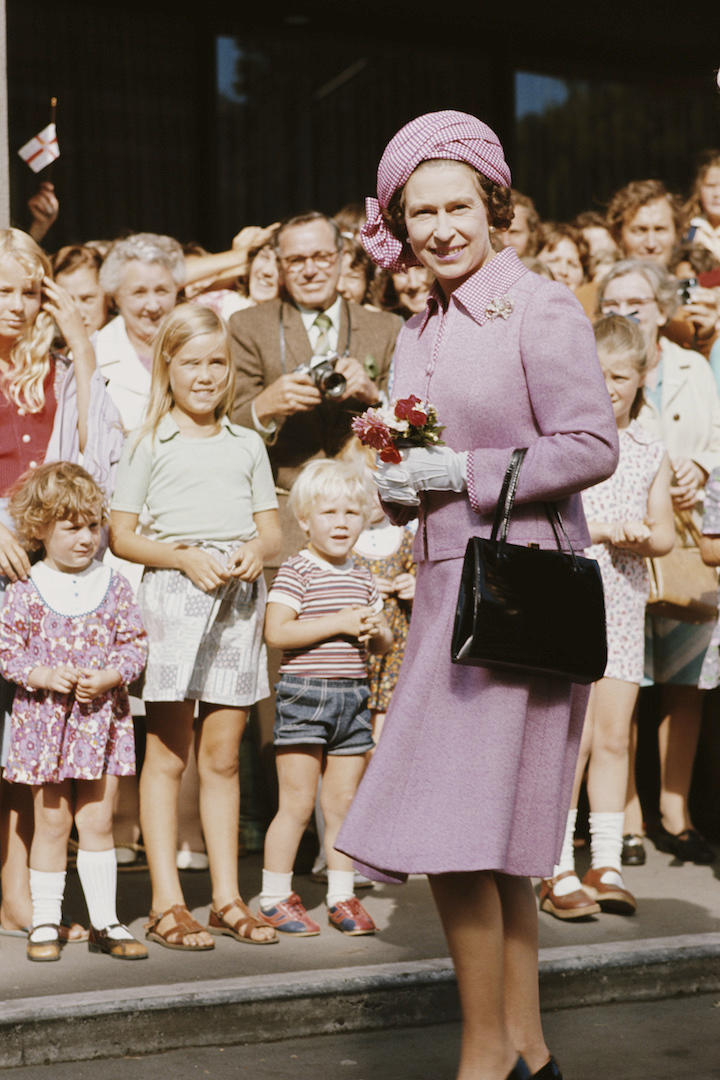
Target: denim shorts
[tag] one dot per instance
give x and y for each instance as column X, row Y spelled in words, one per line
column 323, row 712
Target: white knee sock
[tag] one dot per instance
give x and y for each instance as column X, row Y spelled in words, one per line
column 275, row 887
column 97, row 871
column 567, row 859
column 47, row 888
column 341, row 886
column 606, row 832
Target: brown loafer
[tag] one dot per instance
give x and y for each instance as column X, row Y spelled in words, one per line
column 613, row 898
column 101, row 941
column 44, row 951
column 575, row 905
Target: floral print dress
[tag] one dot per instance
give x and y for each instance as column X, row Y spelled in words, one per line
column 623, row 497
column 383, row 671
column 53, row 737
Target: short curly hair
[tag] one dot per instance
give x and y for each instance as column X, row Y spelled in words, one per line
column 664, row 285
column 497, row 199
column 57, row 491
column 552, row 232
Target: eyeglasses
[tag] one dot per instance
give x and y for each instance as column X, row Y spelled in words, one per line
column 295, row 264
column 615, row 307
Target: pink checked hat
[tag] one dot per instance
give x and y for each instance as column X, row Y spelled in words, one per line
column 456, row 136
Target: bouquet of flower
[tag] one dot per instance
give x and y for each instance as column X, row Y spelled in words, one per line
column 404, row 422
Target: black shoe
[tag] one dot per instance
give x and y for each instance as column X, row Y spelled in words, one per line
column 688, row 846
column 549, row 1071
column 520, row 1072
column 633, row 851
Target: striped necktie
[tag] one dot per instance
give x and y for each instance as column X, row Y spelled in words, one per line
column 323, row 323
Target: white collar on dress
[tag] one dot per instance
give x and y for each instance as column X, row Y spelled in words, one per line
column 72, row 594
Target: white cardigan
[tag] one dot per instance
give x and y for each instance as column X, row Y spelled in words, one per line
column 128, row 380
column 689, row 418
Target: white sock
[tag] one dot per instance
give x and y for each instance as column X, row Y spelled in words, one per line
column 567, row 859
column 606, row 833
column 275, row 887
column 47, row 888
column 97, row 871
column 341, row 886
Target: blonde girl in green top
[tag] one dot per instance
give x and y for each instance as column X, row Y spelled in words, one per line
column 207, row 490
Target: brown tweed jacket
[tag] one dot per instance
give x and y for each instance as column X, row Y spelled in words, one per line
column 256, row 352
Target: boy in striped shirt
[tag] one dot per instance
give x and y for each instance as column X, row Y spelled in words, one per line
column 323, row 612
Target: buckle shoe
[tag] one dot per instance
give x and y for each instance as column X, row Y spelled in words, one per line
column 574, row 905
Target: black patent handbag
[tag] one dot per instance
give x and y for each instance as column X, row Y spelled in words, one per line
column 527, row 608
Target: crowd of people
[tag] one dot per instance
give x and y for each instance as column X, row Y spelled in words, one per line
column 195, row 408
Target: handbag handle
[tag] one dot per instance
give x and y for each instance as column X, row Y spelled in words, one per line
column 506, row 500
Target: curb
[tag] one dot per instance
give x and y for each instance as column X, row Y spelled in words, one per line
column 267, row 1008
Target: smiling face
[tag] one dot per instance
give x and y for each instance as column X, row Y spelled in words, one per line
column 650, row 233
column 333, row 524
column 413, row 287
column 198, row 374
column 447, row 221
column 71, row 545
column 146, row 294
column 623, row 380
column 310, row 263
column 20, row 301
column 564, row 261
column 263, row 279
column 83, row 285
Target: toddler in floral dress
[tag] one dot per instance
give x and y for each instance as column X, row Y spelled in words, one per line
column 71, row 639
column 629, row 517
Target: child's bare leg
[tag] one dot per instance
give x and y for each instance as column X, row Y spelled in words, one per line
column 218, row 746
column 633, row 810
column 341, row 778
column 94, row 805
column 298, row 771
column 16, row 831
column 53, row 822
column 608, row 772
column 190, row 834
column 169, row 738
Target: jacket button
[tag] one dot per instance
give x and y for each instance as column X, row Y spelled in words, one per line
column 676, row 416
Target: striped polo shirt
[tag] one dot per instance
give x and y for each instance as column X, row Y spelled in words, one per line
column 313, row 587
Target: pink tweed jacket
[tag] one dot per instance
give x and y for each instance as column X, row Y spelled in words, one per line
column 509, row 362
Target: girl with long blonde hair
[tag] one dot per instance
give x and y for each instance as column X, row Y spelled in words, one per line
column 210, row 496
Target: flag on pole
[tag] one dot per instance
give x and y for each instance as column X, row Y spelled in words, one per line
column 42, row 149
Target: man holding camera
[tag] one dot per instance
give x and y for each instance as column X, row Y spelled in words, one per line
column 309, row 361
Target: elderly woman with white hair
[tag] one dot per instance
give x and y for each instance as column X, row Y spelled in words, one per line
column 682, row 408
column 142, row 274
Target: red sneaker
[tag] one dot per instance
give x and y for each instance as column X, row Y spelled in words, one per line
column 290, row 917
column 350, row 917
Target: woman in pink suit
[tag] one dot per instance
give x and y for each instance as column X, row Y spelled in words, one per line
column 471, row 781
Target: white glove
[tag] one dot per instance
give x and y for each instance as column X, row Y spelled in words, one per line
column 393, row 484
column 436, row 468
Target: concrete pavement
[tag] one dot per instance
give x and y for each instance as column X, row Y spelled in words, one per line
column 89, row 1006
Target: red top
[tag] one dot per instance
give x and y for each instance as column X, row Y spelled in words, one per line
column 24, row 436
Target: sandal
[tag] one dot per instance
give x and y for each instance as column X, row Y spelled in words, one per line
column 241, row 929
column 174, row 936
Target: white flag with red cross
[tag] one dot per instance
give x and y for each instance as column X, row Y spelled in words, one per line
column 42, row 149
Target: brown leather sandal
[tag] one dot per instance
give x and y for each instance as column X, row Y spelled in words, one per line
column 174, row 937
column 241, row 929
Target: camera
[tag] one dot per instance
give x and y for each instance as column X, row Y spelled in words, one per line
column 321, row 369
column 685, row 289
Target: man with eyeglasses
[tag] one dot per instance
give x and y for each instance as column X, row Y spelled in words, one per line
column 276, row 344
